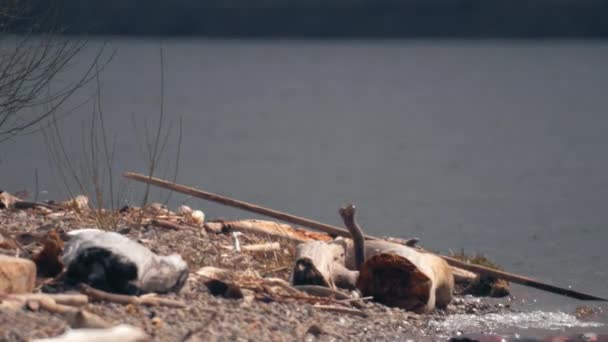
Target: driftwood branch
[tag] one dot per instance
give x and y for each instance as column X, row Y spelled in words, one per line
column 63, row 299
column 84, row 319
column 256, row 248
column 463, row 276
column 518, row 279
column 341, row 232
column 124, row 299
column 339, row 309
column 33, row 205
column 238, row 204
column 50, row 305
column 272, row 228
column 69, row 305
column 348, row 216
column 168, row 224
column 322, row 291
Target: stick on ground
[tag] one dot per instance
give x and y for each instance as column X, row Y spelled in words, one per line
column 124, row 299
column 342, row 232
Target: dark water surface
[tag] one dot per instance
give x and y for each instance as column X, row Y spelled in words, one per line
column 496, row 147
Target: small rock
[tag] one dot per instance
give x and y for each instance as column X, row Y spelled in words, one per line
column 214, row 227
column 315, row 329
column 220, row 288
column 198, row 217
column 157, row 322
column 18, row 275
column 585, row 312
column 157, row 208
column 7, row 201
column 184, row 210
column 80, row 202
column 33, row 305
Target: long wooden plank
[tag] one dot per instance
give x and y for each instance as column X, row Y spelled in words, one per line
column 329, row 229
column 518, row 279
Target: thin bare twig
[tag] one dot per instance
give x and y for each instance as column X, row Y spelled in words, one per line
column 125, row 299
column 339, row 309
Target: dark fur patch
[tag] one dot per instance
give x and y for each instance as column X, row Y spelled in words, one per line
column 220, row 288
column 103, row 270
column 305, row 273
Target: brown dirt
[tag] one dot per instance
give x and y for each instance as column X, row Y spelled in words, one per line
column 207, row 317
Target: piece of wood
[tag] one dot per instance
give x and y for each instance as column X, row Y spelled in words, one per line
column 34, row 205
column 50, row 305
column 395, row 274
column 341, row 232
column 258, row 248
column 75, row 299
column 343, row 310
column 124, row 299
column 315, row 263
column 348, row 217
column 322, row 291
column 321, row 263
column 238, row 204
column 167, row 224
column 84, row 319
column 463, row 276
column 518, row 279
column 274, row 229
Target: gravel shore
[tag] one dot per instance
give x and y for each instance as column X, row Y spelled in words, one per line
column 211, row 318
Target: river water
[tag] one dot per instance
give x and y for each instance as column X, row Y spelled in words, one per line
column 496, row 147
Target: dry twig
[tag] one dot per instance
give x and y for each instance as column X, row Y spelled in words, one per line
column 125, row 299
column 339, row 309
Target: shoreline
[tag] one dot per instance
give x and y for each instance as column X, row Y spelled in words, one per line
column 217, row 318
